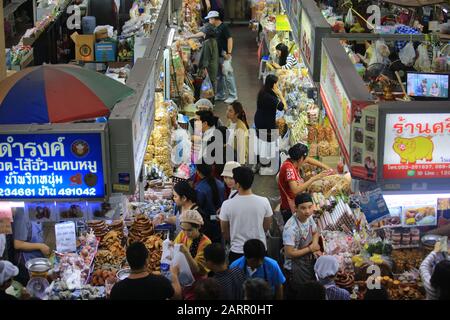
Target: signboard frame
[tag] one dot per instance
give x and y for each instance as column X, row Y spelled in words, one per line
column 414, row 107
column 344, row 78
column 67, row 128
column 319, row 29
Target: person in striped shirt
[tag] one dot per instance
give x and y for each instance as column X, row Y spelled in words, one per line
column 435, row 274
column 326, row 268
column 286, row 61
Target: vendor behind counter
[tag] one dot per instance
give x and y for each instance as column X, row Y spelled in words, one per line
column 30, row 241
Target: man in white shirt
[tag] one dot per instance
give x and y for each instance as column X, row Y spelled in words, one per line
column 246, row 216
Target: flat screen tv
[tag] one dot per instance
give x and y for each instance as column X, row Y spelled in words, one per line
column 427, row 86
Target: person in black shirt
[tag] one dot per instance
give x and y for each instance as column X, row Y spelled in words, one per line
column 270, row 99
column 226, row 85
column 140, row 285
column 230, row 280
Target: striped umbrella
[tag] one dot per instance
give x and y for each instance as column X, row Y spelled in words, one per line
column 58, row 93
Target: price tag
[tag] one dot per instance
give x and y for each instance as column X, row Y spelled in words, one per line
column 5, row 226
column 282, row 23
column 121, row 187
column 66, row 239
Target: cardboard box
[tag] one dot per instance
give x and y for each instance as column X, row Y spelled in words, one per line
column 84, row 46
column 105, row 51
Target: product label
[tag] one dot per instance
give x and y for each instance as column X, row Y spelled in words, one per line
column 66, row 240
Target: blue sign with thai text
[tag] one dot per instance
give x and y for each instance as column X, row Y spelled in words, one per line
column 51, row 166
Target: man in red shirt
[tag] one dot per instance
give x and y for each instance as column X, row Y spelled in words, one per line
column 290, row 183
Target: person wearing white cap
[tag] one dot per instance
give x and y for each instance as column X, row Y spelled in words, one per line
column 7, row 272
column 326, row 268
column 227, row 175
column 226, row 85
column 204, row 105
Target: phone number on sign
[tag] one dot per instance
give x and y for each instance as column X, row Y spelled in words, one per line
column 44, row 191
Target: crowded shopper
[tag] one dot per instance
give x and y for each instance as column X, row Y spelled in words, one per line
column 140, row 284
column 290, row 183
column 203, row 105
column 209, row 57
column 208, row 129
column 227, row 175
column 230, row 280
column 246, row 216
column 270, row 99
column 193, row 242
column 7, row 272
column 208, row 289
column 238, row 128
column 257, row 289
column 326, row 268
column 301, row 244
column 210, row 196
column 226, row 85
column 256, row 264
column 435, row 274
column 185, row 198
column 286, row 61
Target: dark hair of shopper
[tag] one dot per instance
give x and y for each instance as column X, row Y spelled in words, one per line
column 284, row 53
column 207, row 289
column 215, row 253
column 206, row 116
column 184, row 189
column 254, row 249
column 239, row 110
column 302, row 198
column 137, row 255
column 312, row 290
column 206, row 171
column 298, row 151
column 377, row 294
column 244, row 176
column 271, row 79
column 441, row 279
column 257, row 289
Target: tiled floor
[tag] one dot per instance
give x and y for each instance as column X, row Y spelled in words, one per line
column 246, row 66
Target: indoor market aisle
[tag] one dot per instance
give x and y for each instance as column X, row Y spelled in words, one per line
column 246, row 66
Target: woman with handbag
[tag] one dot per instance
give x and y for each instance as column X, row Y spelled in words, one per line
column 301, row 245
column 291, row 183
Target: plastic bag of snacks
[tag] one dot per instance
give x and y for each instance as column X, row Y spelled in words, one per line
column 207, row 90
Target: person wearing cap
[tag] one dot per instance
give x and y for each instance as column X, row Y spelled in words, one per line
column 7, row 272
column 301, row 244
column 291, row 183
column 209, row 57
column 246, row 216
column 226, row 86
column 326, row 268
column 227, row 175
column 193, row 242
column 203, row 105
